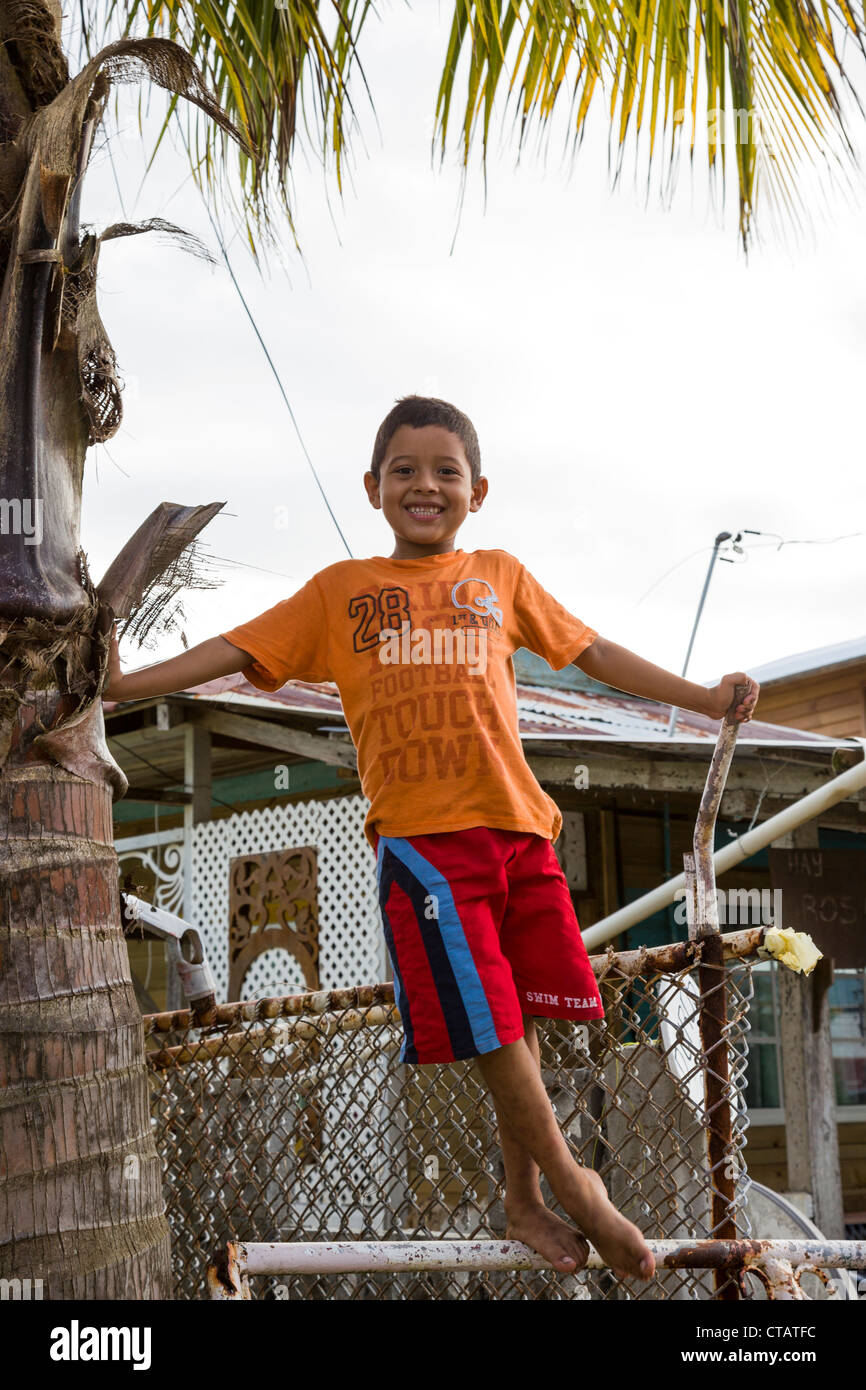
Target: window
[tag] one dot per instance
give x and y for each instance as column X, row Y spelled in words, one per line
column 847, row 1033
column 763, row 1078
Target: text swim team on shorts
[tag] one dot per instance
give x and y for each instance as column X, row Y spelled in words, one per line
column 477, row 915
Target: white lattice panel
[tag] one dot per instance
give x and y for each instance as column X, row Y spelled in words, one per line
column 351, row 945
column 273, row 974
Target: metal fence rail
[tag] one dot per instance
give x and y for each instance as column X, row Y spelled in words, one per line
column 291, row 1120
column 779, row 1265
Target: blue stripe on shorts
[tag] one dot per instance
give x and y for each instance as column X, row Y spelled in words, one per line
column 461, row 994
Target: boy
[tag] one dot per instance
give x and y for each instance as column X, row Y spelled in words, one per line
column 477, row 915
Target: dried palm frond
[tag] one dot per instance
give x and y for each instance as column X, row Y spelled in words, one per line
column 54, row 140
column 160, row 611
column 142, row 585
column 28, row 32
column 55, row 130
column 97, row 363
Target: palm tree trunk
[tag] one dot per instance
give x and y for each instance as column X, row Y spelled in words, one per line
column 81, row 1196
column 80, row 1184
column 80, row 1181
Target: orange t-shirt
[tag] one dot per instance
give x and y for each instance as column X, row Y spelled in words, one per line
column 421, row 651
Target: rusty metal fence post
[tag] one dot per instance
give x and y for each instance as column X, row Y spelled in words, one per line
column 704, row 929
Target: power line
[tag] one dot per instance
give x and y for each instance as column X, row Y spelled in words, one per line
column 758, row 545
column 700, row 551
column 277, row 378
column 263, row 346
column 162, row 772
column 818, row 540
column 224, row 559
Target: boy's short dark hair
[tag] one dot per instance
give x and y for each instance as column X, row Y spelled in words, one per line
column 418, row 411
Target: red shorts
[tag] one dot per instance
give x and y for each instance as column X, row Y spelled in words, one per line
column 481, row 930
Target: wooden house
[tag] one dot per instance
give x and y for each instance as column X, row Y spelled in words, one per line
column 823, row 690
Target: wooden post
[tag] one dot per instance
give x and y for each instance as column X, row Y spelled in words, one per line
column 607, row 830
column 197, row 772
column 811, row 1133
column 704, row 928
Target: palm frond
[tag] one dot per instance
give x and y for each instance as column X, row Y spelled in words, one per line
column 756, row 84
column 280, row 69
column 768, row 71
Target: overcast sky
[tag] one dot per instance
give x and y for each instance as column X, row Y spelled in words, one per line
column 637, row 387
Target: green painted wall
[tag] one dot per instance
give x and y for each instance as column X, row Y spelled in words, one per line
column 254, row 786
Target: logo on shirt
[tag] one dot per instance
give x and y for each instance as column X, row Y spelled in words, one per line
column 480, row 600
column 463, row 644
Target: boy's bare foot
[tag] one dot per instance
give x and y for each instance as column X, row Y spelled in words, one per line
column 619, row 1243
column 547, row 1235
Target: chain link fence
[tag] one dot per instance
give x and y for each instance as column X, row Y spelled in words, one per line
column 291, row 1119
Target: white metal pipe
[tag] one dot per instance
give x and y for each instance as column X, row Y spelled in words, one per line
column 742, row 848
column 365, row 1257
column 343, row 1257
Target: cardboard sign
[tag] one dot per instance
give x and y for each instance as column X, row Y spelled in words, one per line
column 824, row 894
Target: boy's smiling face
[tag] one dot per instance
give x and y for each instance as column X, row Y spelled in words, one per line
column 425, row 489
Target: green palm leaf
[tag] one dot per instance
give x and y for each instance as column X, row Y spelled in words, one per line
column 276, row 70
column 766, row 74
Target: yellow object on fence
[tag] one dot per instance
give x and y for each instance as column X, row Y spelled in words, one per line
column 792, row 948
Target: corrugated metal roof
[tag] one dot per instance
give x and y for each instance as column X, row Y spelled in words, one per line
column 543, row 713
column 632, row 720
column 819, row 658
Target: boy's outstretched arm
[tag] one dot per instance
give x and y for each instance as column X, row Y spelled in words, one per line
column 215, row 657
column 617, row 666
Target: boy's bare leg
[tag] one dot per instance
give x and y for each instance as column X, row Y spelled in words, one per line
column 529, row 1220
column 528, row 1123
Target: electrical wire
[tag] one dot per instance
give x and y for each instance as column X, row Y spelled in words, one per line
column 766, row 787
column 820, row 540
column 273, row 368
column 263, row 346
column 243, row 564
column 758, row 545
column 115, row 738
column 702, row 550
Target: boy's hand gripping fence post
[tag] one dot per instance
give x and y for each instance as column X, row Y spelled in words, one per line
column 703, row 914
